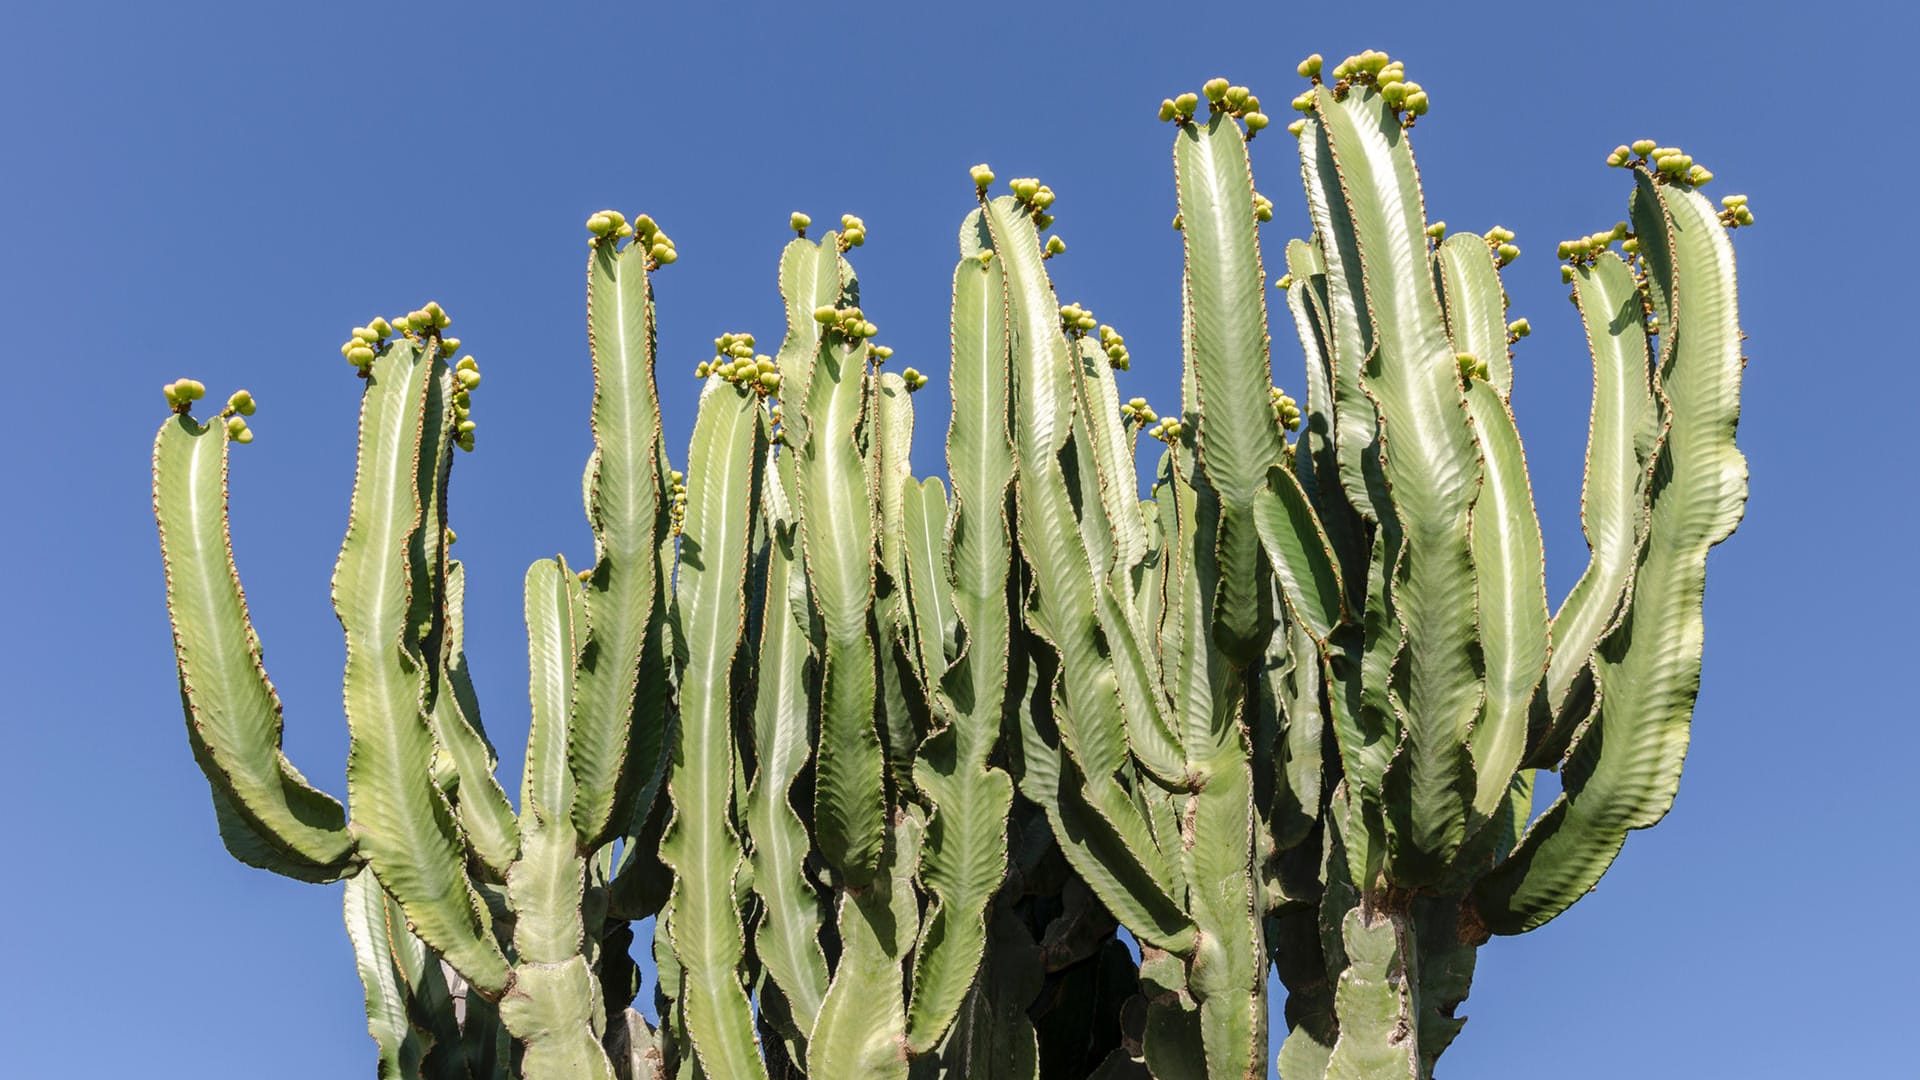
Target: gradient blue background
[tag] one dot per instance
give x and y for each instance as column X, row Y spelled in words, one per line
column 222, row 190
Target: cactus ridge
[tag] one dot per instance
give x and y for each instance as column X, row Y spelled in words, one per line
column 893, row 760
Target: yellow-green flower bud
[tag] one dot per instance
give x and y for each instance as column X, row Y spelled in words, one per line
column 663, row 254
column 1642, row 147
column 770, row 380
column 365, row 334
column 1417, row 103
column 236, row 425
column 361, row 355
column 1185, row 104
column 982, row 176
column 1395, row 93
column 882, row 352
column 243, row 436
column 1507, row 253
column 1294, row 129
column 1566, row 274
column 241, row 402
column 1043, row 198
column 799, row 222
column 1742, row 216
column 466, row 427
column 1437, row 230
column 1283, row 282
column 599, row 224
column 1699, row 176
column 1256, row 121
column 1055, row 246
column 468, row 379
column 1310, row 67
column 1630, row 245
column 1025, row 188
column 909, row 375
column 1303, row 102
column 825, row 314
column 702, row 369
column 1236, row 97
column 1167, row 110
column 1215, row 89
column 1519, row 328
column 380, row 327
column 1732, row 201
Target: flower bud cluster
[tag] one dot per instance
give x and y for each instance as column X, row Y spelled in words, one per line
column 1167, row 429
column 1036, row 197
column 1262, row 208
column 1076, row 320
column 1283, row 282
column 1285, row 409
column 1055, row 246
column 736, row 362
column 367, row 341
column 1376, row 69
column 982, row 179
column 1471, row 366
column 853, row 232
column 1667, row 162
column 1222, row 97
column 1437, row 231
column 913, row 378
column 798, row 222
column 677, row 498
column 848, row 321
column 466, row 378
column 182, row 393
column 1500, row 239
column 1137, row 411
column 1115, row 347
column 1585, row 249
column 1734, row 212
column 1518, row 329
column 611, row 225
column 239, row 407
column 880, row 353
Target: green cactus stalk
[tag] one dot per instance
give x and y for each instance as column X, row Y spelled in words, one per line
column 894, row 771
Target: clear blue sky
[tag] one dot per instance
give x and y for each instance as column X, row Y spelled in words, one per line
column 221, row 191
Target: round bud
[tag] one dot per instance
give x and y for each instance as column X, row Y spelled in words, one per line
column 1437, row 230
column 1507, row 253
column 466, row 427
column 380, row 327
column 1043, row 221
column 1055, row 245
column 1742, row 215
column 1025, row 188
column 599, row 224
column 1215, row 89
column 1236, row 97
column 1417, row 103
column 360, row 354
column 1167, row 110
column 1294, row 129
column 1309, row 67
column 467, row 363
column 825, row 314
column 469, row 379
column 1185, row 104
column 1566, row 274
column 910, row 374
column 1630, row 245
column 799, row 222
column 1043, row 198
column 983, row 176
column 1519, row 328
column 770, row 380
column 884, row 352
column 241, row 402
column 1642, row 147
column 1283, row 282
column 1256, row 121
column 1731, row 201
column 1699, row 176
column 701, row 369
column 663, row 254
column 236, row 425
column 643, row 225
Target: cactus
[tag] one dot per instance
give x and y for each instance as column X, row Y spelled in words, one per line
column 895, row 768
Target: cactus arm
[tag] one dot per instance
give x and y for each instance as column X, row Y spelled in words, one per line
column 618, row 730
column 1512, row 597
column 966, row 846
column 1374, row 999
column 723, row 485
column 270, row 817
column 930, row 583
column 1434, row 475
column 891, row 474
column 401, row 821
column 555, row 1013
column 402, row 1047
column 787, row 938
column 1237, row 434
column 1622, row 434
column 811, row 276
column 1227, row 974
column 836, row 534
column 556, row 629
column 862, row 1030
column 1623, row 772
column 1315, row 459
column 1476, row 306
column 1116, row 536
column 1349, row 326
column 1063, row 614
column 486, row 816
column 1299, row 553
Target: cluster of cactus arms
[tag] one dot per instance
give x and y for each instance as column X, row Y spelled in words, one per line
column 1027, row 776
